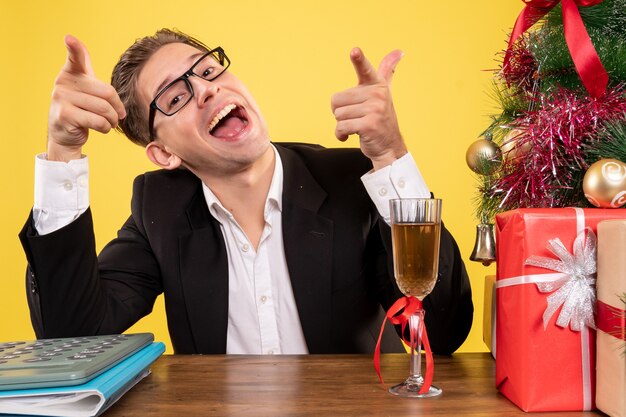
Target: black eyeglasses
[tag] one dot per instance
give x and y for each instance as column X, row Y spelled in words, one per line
column 174, row 96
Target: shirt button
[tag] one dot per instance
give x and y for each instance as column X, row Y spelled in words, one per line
column 382, row 192
column 263, row 299
column 68, row 186
column 270, row 352
column 245, row 247
column 401, row 183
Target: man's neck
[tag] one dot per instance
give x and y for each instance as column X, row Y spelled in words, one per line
column 244, row 194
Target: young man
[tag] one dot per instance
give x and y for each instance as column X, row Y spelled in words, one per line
column 257, row 247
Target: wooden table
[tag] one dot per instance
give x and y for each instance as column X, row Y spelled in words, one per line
column 312, row 385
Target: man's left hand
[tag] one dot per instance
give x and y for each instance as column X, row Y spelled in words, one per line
column 368, row 111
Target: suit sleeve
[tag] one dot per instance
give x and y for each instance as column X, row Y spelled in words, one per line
column 71, row 292
column 448, row 308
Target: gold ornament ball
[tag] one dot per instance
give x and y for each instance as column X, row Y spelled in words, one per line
column 483, row 157
column 604, row 183
column 511, row 149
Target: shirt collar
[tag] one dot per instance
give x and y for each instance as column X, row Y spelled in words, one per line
column 274, row 195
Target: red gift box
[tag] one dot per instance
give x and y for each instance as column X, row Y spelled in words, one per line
column 537, row 368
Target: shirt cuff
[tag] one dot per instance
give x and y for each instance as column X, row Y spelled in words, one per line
column 401, row 179
column 61, row 192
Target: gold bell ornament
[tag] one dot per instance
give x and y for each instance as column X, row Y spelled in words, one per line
column 485, row 245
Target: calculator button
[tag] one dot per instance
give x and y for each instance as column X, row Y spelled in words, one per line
column 91, row 351
column 36, row 360
column 79, row 356
column 9, row 356
column 59, row 350
column 30, row 348
column 48, row 354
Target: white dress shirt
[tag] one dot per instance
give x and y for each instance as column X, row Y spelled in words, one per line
column 262, row 313
column 61, row 192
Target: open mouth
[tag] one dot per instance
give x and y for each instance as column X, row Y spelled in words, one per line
column 229, row 122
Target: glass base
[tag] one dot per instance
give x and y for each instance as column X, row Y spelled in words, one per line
column 410, row 388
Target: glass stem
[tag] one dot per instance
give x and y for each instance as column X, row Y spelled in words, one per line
column 416, row 323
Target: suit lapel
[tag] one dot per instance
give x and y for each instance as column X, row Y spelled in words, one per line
column 308, row 239
column 204, row 277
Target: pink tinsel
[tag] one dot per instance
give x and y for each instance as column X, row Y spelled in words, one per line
column 521, row 70
column 558, row 132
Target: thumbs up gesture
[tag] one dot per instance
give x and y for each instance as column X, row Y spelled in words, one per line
column 368, row 111
column 79, row 102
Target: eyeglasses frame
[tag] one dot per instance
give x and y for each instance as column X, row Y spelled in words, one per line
column 185, row 77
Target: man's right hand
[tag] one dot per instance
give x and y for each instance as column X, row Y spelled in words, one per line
column 79, row 102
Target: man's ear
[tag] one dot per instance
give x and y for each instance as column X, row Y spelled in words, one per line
column 161, row 157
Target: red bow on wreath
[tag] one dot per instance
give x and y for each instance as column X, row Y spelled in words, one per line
column 586, row 60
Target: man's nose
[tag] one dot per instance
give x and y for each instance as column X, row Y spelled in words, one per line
column 204, row 89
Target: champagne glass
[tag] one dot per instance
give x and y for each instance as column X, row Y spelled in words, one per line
column 415, row 230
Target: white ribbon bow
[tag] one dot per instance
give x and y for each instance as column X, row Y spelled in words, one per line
column 576, row 292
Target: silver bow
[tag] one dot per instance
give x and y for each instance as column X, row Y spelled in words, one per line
column 576, row 290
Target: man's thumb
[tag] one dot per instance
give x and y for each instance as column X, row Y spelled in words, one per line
column 388, row 64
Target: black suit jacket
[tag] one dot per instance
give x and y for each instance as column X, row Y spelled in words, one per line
column 335, row 243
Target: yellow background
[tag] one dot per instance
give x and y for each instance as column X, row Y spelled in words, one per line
column 293, row 55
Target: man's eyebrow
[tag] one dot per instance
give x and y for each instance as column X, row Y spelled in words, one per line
column 169, row 78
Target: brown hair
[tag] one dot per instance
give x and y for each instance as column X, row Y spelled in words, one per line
column 126, row 72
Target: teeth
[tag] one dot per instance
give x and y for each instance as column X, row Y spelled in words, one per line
column 221, row 115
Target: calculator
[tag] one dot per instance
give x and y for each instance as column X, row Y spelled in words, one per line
column 65, row 361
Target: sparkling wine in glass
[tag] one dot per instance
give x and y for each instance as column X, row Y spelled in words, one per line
column 415, row 231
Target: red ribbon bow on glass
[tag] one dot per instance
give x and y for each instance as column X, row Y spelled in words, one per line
column 586, row 60
column 409, row 305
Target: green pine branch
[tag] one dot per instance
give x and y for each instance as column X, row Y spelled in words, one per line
column 611, row 143
column 605, row 25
